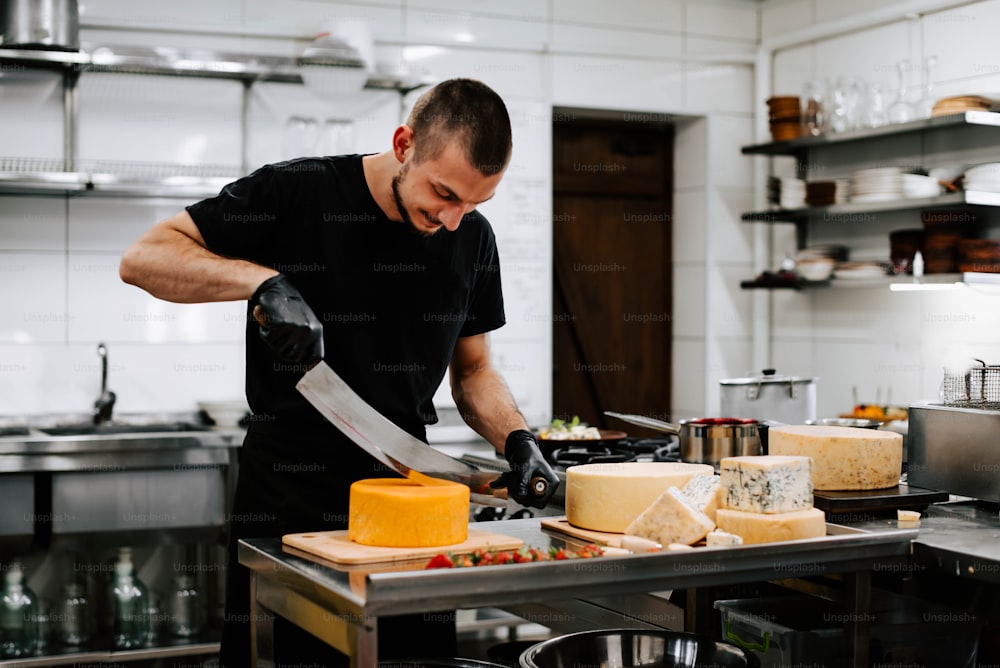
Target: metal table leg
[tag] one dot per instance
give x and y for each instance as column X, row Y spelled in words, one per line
column 353, row 635
column 859, row 600
column 261, row 630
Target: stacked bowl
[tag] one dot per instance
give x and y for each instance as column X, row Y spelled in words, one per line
column 784, row 117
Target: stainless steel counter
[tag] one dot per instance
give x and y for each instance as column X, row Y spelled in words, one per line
column 342, row 604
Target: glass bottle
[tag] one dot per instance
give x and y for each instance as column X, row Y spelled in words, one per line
column 75, row 616
column 814, row 107
column 18, row 616
column 185, row 607
column 901, row 110
column 129, row 597
column 926, row 104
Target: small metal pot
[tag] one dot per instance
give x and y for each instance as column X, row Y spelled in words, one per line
column 706, row 440
column 40, row 24
column 709, row 440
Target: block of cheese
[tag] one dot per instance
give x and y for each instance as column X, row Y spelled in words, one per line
column 608, row 496
column 769, row 527
column 844, row 458
column 395, row 512
column 765, row 484
column 671, row 519
column 719, row 538
column 703, row 493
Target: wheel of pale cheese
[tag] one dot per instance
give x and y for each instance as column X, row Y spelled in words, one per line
column 844, row 458
column 609, row 496
column 396, row 512
column 756, row 528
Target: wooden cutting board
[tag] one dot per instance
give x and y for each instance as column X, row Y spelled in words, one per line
column 562, row 525
column 335, row 546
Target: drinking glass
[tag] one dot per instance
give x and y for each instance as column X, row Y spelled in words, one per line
column 814, row 103
column 902, row 110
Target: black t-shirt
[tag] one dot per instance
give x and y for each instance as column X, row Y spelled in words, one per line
column 393, row 302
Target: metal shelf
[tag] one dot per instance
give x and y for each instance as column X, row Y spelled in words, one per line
column 92, row 657
column 193, row 63
column 845, row 211
column 804, row 144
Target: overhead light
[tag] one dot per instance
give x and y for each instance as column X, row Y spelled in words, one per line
column 332, row 68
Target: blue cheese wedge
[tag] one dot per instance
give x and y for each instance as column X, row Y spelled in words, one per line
column 766, row 484
column 703, row 493
column 671, row 519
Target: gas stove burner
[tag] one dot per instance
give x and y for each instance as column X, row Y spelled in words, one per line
column 573, row 455
column 626, row 450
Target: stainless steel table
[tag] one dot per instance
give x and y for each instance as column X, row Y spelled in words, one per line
column 341, row 605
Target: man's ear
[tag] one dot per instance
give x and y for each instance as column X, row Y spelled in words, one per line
column 402, row 142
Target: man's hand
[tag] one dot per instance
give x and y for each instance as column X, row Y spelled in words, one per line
column 527, row 469
column 287, row 325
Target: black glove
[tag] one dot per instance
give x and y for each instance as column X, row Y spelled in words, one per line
column 527, row 470
column 287, row 324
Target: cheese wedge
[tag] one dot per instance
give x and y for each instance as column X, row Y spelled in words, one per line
column 844, row 458
column 769, row 528
column 719, row 538
column 609, row 496
column 703, row 493
column 671, row 519
column 765, row 484
column 395, row 512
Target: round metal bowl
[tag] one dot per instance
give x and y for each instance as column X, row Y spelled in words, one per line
column 846, row 422
column 633, row 648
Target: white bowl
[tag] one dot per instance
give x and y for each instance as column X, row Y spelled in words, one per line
column 816, row 269
column 225, row 413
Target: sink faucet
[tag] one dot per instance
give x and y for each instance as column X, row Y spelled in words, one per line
column 106, row 402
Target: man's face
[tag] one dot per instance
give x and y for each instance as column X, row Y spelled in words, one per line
column 437, row 193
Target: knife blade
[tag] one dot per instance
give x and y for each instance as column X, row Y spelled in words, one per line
column 389, row 444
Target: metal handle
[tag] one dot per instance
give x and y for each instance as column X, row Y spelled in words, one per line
column 643, row 421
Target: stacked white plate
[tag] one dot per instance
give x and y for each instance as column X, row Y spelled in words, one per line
column 879, row 184
column 859, row 270
column 793, row 193
column 842, row 194
column 983, row 177
column 917, row 186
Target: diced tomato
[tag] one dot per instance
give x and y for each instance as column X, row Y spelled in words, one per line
column 440, row 561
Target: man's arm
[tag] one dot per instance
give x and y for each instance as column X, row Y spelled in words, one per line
column 170, row 261
column 487, row 406
column 482, row 396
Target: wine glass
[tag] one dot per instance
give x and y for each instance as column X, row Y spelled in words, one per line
column 926, row 103
column 902, row 110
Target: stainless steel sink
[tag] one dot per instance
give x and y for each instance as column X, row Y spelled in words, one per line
column 88, row 429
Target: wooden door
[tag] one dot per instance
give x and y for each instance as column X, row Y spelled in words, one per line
column 612, row 269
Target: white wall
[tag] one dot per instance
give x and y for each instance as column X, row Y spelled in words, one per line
column 690, row 59
column 880, row 342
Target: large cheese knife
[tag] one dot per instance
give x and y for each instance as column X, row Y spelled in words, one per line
column 392, row 446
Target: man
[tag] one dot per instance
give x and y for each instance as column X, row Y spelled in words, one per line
column 380, row 265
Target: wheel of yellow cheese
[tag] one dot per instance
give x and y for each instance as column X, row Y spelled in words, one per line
column 844, row 458
column 395, row 512
column 609, row 496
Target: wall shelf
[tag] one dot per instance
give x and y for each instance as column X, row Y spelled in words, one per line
column 64, row 177
column 192, row 63
column 804, row 144
column 848, row 211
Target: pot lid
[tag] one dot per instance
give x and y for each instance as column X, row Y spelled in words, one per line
column 767, row 376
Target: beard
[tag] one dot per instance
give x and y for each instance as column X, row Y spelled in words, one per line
column 404, row 213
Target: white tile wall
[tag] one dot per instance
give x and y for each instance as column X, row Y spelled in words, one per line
column 640, row 44
column 863, row 337
column 31, row 124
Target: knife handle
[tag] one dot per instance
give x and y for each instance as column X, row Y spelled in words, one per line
column 539, row 486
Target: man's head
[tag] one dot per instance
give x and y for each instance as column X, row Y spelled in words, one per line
column 467, row 112
column 452, row 151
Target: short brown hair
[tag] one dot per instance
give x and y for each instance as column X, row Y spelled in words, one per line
column 468, row 111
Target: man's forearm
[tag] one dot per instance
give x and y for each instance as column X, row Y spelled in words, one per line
column 486, row 405
column 171, row 262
